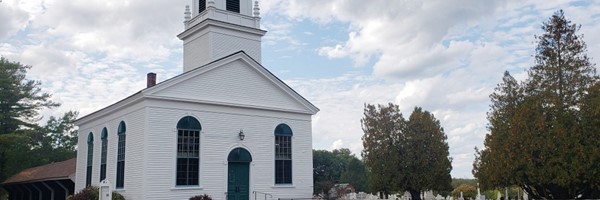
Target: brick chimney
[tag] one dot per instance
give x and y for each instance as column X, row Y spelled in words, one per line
column 151, row 80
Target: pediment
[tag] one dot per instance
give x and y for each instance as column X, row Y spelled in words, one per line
column 233, row 80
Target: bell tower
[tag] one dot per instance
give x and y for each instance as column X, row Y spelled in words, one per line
column 217, row 28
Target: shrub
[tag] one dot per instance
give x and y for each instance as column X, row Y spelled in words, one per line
column 93, row 193
column 117, row 196
column 469, row 191
column 86, row 194
column 201, row 197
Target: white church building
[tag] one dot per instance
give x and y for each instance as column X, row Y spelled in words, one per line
column 226, row 126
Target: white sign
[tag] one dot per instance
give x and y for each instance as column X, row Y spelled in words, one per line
column 105, row 191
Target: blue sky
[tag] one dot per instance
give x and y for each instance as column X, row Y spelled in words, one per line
column 445, row 56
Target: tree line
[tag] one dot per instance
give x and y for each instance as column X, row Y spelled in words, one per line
column 24, row 141
column 336, row 167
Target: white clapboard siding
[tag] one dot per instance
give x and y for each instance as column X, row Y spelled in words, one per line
column 195, row 51
column 134, row 118
column 218, row 137
column 228, row 42
column 236, row 83
column 216, row 33
column 227, row 96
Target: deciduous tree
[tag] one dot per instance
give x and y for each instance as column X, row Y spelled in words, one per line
column 337, row 166
column 356, row 174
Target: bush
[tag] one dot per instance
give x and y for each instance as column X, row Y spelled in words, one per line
column 201, row 197
column 93, row 193
column 469, row 191
column 117, row 196
column 85, row 194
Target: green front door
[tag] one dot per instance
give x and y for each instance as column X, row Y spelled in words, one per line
column 238, row 181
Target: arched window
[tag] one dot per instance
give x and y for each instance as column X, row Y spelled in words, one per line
column 201, row 6
column 233, row 5
column 90, row 159
column 283, row 154
column 188, row 151
column 103, row 154
column 121, row 155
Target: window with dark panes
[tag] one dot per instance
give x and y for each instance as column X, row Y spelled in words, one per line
column 283, row 154
column 121, row 155
column 103, row 154
column 201, row 6
column 233, row 5
column 90, row 159
column 188, row 151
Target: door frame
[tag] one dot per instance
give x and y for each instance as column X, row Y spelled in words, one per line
column 247, row 158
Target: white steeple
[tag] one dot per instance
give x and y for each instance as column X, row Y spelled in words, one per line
column 217, row 28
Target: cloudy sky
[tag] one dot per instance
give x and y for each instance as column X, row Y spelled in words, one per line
column 445, row 56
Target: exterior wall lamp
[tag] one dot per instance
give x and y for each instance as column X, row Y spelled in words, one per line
column 241, row 135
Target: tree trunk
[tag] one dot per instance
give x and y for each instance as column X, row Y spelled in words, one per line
column 415, row 194
column 384, row 195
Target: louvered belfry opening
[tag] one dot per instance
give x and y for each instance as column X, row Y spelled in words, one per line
column 202, row 6
column 233, row 5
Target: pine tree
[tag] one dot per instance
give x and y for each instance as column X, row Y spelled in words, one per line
column 23, row 142
column 20, row 99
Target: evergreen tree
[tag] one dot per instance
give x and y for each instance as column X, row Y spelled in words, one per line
column 405, row 155
column 505, row 101
column 544, row 134
column 23, row 142
column 20, row 99
column 383, row 126
column 426, row 160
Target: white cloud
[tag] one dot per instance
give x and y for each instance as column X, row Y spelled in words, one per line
column 342, row 100
column 13, row 19
column 120, row 30
column 281, row 33
column 92, row 53
column 445, row 56
column 396, row 29
column 399, row 63
column 338, row 144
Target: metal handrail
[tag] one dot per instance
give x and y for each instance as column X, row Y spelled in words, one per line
column 261, row 193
